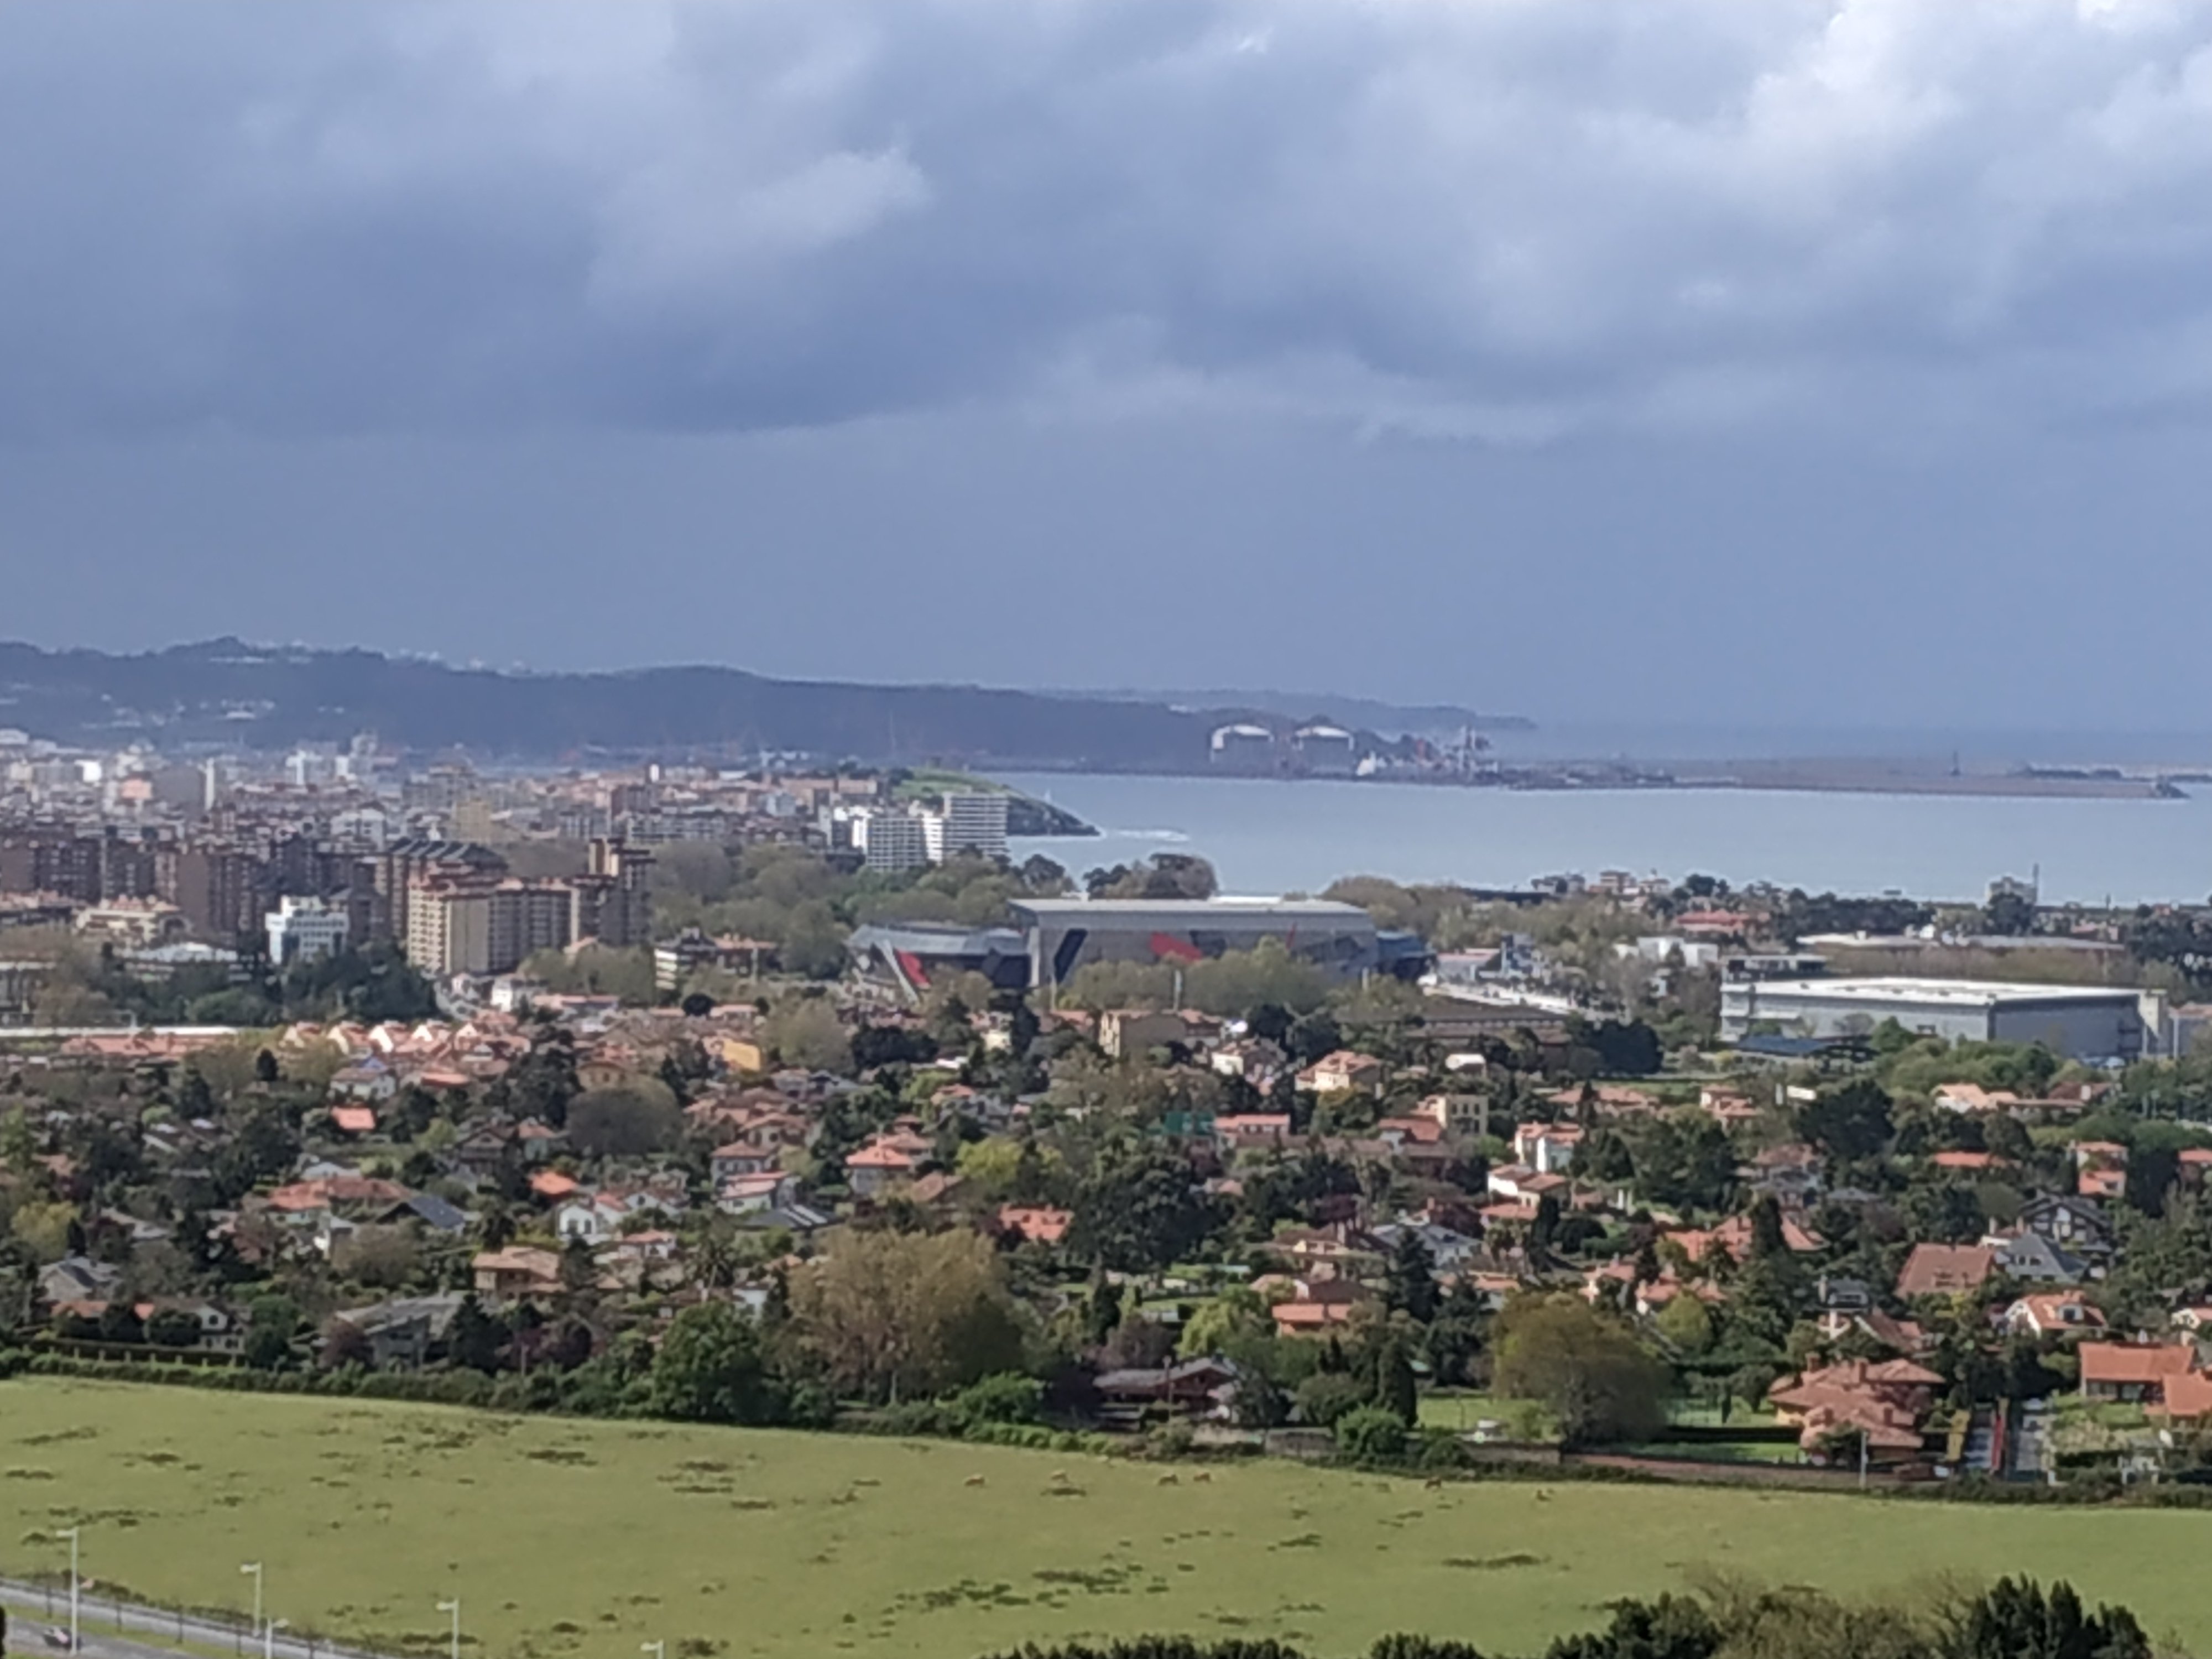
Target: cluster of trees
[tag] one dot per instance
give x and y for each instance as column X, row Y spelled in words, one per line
column 90, row 984
column 2014, row 1618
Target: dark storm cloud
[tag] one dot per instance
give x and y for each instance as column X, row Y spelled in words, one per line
column 1505, row 219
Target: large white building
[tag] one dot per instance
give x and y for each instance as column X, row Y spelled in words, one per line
column 971, row 822
column 304, row 929
column 890, row 841
column 2076, row 1021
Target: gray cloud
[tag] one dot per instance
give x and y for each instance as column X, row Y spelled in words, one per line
column 1500, row 219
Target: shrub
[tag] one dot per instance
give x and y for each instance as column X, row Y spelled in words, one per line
column 1327, row 1395
column 1371, row 1434
column 1003, row 1397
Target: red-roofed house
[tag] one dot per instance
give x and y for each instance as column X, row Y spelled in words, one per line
column 1034, row 1223
column 2054, row 1313
column 2132, row 1371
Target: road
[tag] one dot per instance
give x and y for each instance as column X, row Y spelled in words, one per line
column 107, row 1627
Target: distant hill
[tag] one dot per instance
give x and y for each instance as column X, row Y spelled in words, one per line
column 227, row 693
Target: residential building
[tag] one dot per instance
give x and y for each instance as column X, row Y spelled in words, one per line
column 466, row 925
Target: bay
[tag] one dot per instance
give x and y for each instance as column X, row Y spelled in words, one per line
column 1271, row 835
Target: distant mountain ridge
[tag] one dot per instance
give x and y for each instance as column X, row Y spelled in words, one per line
column 228, row 693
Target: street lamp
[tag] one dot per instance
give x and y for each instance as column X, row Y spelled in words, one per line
column 453, row 1607
column 72, row 1536
column 269, row 1637
column 254, row 1567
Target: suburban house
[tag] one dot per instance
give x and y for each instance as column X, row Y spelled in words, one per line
column 515, row 1274
column 740, row 1158
column 885, row 1162
column 2133, row 1371
column 1191, row 1388
column 762, row 1190
column 1319, row 1306
column 1127, row 1032
column 2054, row 1313
column 1546, row 1148
column 1972, row 1097
column 1343, row 1073
column 1245, row 1132
column 1946, row 1270
column 1876, row 1407
column 402, row 1333
column 1456, row 1115
column 2033, row 1257
column 2077, row 1224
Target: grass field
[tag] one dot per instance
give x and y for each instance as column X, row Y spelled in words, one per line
column 571, row 1539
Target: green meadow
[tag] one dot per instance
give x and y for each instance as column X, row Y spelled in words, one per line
column 568, row 1538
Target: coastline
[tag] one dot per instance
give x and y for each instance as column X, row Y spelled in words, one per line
column 1855, row 776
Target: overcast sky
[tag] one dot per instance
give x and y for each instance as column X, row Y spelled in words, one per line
column 1691, row 360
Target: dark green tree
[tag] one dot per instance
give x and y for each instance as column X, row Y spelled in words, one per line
column 476, row 1339
column 1411, row 1288
column 711, row 1369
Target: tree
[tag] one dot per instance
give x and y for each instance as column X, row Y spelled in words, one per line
column 1228, row 1321
column 624, row 1123
column 2151, row 1174
column 805, row 1031
column 711, row 1369
column 1672, row 1627
column 474, row 1341
column 892, row 1315
column 1394, row 1388
column 1681, row 1161
column 1849, row 1123
column 2016, row 1619
column 1598, row 1381
column 1456, row 1337
column 272, row 1326
column 1411, row 1288
column 1687, row 1328
column 1141, row 1211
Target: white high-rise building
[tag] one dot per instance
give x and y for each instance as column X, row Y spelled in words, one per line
column 972, row 823
column 892, row 842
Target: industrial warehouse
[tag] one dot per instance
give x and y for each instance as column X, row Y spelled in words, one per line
column 2078, row 1022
